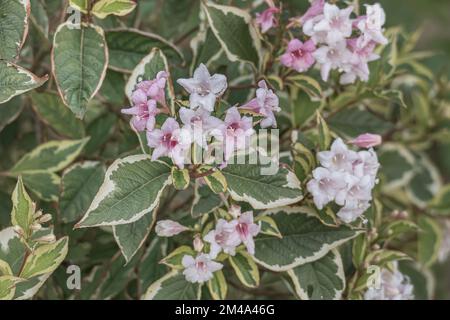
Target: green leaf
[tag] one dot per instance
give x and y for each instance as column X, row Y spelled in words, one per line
column 205, row 48
column 104, row 8
column 245, row 268
column 100, row 131
column 180, row 178
column 23, row 208
column 353, row 122
column 113, row 87
column 132, row 188
column 5, row 269
column 304, row 160
column 80, row 5
column 309, row 85
column 359, row 249
column 39, row 17
column 422, row 279
column 218, row 286
column 397, row 166
column 323, row 279
column 127, row 47
column 15, row 80
column 147, row 69
column 398, row 228
column 10, row 111
column 45, row 259
column 8, row 286
column 79, row 62
column 429, row 240
column 12, row 249
column 79, row 184
column 324, row 133
column 130, row 237
column 44, row 184
column 205, row 201
column 13, row 27
column 173, row 286
column 383, row 257
column 52, row 156
column 425, row 182
column 305, row 239
column 150, row 261
column 173, row 259
column 395, row 96
column 26, row 289
column 215, row 181
column 441, row 201
column 303, row 108
column 53, row 112
column 235, row 31
column 268, row 226
column 246, row 183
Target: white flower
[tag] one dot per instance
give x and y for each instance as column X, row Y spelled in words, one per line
column 199, row 269
column 246, row 230
column 325, row 186
column 330, row 57
column 371, row 26
column 204, row 88
column 223, row 237
column 339, row 158
column 444, row 250
column 200, row 123
column 335, row 23
column 169, row 228
column 393, row 286
column 352, row 210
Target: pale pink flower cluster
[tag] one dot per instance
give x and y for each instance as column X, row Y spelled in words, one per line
column 444, row 250
column 346, row 177
column 197, row 123
column 337, row 41
column 392, row 285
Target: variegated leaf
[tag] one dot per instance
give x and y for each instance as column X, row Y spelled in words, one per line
column 245, row 268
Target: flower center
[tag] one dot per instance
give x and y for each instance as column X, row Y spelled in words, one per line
column 242, row 229
column 200, row 265
column 298, row 53
column 169, row 140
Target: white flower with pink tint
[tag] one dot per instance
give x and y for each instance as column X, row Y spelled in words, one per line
column 313, row 11
column 199, row 269
column 358, row 66
column 267, row 19
column 204, row 88
column 444, row 250
column 246, row 230
column 169, row 228
column 171, row 141
column 333, row 26
column 223, row 237
column 155, row 89
column 265, row 103
column 235, row 133
column 367, row 140
column 352, row 210
column 337, row 56
column 325, row 185
column 299, row 55
column 371, row 25
column 143, row 111
column 200, row 123
column 338, row 158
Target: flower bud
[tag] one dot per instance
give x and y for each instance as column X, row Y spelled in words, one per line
column 45, row 218
column 48, row 238
column 169, row 228
column 198, row 243
column 235, row 211
column 367, row 140
column 36, row 226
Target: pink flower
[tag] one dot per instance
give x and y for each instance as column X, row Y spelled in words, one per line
column 169, row 228
column 143, row 111
column 246, row 230
column 265, row 103
column 199, row 269
column 200, row 123
column 223, row 237
column 313, row 11
column 170, row 141
column 299, row 56
column 367, row 140
column 155, row 89
column 267, row 19
column 235, row 132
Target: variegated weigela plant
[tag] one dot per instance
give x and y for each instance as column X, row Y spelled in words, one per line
column 194, row 149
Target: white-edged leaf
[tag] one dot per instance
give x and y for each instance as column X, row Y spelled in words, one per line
column 305, row 239
column 323, row 279
column 173, row 286
column 397, row 166
column 246, row 183
column 8, row 286
column 235, row 31
column 10, row 111
column 205, row 200
column 429, row 240
column 45, row 185
column 79, row 184
column 217, row 286
column 15, row 80
column 13, row 27
column 79, row 63
column 23, row 208
column 245, row 268
column 132, row 188
column 52, row 156
column 104, row 8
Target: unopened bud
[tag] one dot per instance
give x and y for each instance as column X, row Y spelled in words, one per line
column 169, row 228
column 36, row 226
column 45, row 218
column 198, row 243
column 37, row 214
column 235, row 211
column 367, row 140
column 48, row 238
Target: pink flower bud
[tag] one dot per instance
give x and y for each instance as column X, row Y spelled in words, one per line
column 169, row 228
column 367, row 140
column 198, row 243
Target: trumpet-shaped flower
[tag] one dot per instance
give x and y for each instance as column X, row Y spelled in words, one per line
column 267, row 19
column 299, row 55
column 199, row 269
